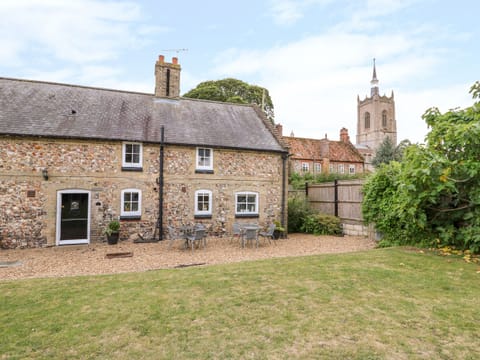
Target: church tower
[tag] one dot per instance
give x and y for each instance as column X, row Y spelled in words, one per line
column 375, row 118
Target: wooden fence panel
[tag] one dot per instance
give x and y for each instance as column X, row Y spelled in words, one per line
column 342, row 198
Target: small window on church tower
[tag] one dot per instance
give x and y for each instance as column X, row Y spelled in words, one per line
column 367, row 120
column 384, row 118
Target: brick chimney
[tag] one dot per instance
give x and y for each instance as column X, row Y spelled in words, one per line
column 167, row 78
column 344, row 135
column 279, row 128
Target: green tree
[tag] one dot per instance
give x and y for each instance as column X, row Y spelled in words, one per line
column 433, row 196
column 234, row 91
column 387, row 151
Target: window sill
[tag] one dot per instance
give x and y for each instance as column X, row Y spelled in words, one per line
column 202, row 216
column 131, row 168
column 198, row 171
column 244, row 216
column 130, row 217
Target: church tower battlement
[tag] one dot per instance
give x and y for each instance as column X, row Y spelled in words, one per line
column 375, row 117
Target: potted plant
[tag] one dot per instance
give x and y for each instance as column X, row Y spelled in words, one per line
column 279, row 230
column 113, row 232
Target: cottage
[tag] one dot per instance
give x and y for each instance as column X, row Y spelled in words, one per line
column 324, row 156
column 74, row 157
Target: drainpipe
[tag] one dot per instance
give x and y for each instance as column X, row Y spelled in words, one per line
column 160, row 187
column 284, row 195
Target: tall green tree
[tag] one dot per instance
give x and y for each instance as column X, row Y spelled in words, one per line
column 235, row 91
column 387, row 151
column 433, row 196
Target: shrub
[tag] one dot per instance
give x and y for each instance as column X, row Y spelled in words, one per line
column 322, row 224
column 298, row 211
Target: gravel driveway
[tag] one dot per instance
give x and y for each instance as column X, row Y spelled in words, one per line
column 94, row 259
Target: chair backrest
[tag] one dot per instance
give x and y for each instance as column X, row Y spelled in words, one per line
column 236, row 229
column 250, row 234
column 199, row 234
column 172, row 233
column 271, row 229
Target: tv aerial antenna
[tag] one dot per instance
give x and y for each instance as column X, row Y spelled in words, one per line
column 174, row 50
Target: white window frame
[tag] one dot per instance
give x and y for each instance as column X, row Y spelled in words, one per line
column 137, row 212
column 246, row 211
column 341, row 168
column 305, row 167
column 318, row 168
column 132, row 164
column 203, row 212
column 198, row 158
column 333, row 169
column 351, row 169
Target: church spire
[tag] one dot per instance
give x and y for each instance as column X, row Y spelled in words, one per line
column 374, row 81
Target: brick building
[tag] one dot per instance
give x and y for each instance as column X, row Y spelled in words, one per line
column 317, row 156
column 75, row 157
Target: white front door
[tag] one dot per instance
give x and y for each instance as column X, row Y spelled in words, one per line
column 73, row 217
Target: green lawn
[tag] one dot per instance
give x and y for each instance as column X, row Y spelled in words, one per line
column 380, row 304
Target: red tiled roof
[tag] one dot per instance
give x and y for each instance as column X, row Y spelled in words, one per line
column 314, row 149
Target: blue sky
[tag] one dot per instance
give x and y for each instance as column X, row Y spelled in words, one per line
column 314, row 56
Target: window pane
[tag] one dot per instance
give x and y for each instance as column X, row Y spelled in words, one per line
column 204, row 157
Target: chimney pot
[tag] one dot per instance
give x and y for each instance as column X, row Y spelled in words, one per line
column 344, row 135
column 175, row 61
column 279, row 128
column 161, row 59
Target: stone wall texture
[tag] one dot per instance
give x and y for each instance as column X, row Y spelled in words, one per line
column 28, row 202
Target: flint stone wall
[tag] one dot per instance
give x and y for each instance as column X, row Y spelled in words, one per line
column 29, row 202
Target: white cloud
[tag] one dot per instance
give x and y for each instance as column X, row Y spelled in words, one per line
column 287, row 12
column 314, row 82
column 72, row 31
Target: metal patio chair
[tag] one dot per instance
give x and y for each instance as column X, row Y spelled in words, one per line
column 198, row 236
column 268, row 234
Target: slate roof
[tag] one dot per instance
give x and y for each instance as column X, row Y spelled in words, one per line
column 314, row 149
column 34, row 108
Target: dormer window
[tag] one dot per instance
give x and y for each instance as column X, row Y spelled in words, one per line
column 132, row 156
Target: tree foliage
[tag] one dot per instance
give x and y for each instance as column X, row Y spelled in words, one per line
column 387, row 151
column 234, row 91
column 298, row 180
column 433, row 196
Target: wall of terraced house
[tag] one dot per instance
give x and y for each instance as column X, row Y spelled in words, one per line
column 29, row 202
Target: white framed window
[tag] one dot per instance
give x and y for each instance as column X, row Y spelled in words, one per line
column 341, row 168
column 318, row 168
column 305, row 167
column 132, row 155
column 204, row 159
column 351, row 169
column 332, row 168
column 131, row 202
column 203, row 202
column 246, row 203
